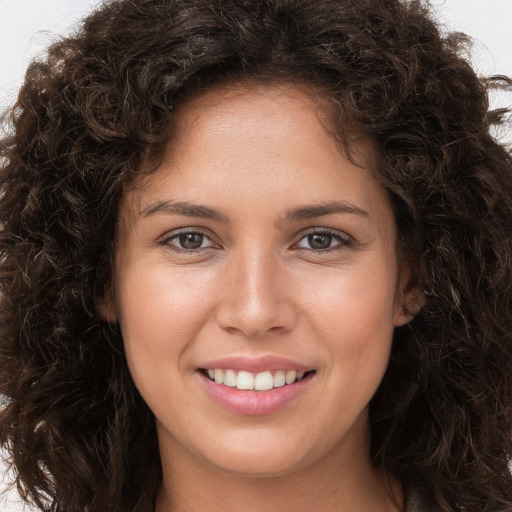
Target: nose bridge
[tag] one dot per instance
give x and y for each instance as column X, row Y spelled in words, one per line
column 255, row 298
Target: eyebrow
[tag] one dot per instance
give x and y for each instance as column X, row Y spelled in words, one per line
column 184, row 208
column 318, row 210
column 188, row 209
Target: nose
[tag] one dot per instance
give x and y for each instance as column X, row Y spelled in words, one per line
column 257, row 298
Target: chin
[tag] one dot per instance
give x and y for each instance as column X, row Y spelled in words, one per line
column 260, row 459
column 260, row 467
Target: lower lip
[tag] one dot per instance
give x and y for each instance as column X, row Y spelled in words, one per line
column 255, row 403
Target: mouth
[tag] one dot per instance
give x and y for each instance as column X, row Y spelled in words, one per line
column 249, row 381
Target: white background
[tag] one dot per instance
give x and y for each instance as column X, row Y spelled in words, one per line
column 28, row 26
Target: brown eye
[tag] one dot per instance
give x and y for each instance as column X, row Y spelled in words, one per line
column 323, row 241
column 191, row 240
column 320, row 240
column 188, row 241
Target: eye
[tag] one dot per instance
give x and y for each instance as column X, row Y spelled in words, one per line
column 188, row 241
column 324, row 240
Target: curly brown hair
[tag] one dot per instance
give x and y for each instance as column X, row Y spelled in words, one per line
column 100, row 108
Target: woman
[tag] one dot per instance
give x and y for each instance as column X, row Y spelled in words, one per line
column 256, row 255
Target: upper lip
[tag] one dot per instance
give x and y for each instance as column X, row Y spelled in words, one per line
column 255, row 364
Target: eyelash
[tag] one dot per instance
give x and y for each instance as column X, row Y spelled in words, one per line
column 167, row 240
column 345, row 242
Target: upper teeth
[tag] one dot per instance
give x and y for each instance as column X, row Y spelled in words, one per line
column 262, row 381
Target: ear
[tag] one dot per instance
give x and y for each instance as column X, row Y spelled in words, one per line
column 106, row 306
column 409, row 298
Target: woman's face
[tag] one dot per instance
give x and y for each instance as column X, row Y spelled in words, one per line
column 259, row 255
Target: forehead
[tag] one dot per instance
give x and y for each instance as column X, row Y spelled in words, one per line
column 252, row 142
column 249, row 100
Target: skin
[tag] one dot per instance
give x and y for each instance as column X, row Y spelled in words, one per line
column 255, row 286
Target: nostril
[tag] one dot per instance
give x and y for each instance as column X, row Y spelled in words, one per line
column 253, row 316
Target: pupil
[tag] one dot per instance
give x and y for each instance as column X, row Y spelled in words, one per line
column 319, row 241
column 191, row 240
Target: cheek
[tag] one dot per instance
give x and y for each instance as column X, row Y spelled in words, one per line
column 353, row 314
column 161, row 313
column 353, row 299
column 155, row 298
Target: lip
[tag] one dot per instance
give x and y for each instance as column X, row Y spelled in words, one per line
column 254, row 403
column 255, row 364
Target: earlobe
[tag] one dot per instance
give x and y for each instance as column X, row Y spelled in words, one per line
column 411, row 305
column 106, row 306
column 410, row 299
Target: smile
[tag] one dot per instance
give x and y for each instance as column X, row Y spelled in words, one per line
column 262, row 381
column 251, row 400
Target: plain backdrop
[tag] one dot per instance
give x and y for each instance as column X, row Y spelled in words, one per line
column 28, row 26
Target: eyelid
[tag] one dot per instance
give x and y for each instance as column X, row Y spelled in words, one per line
column 346, row 240
column 172, row 235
